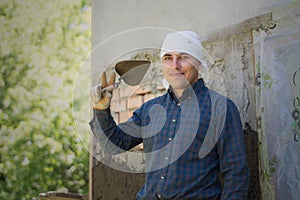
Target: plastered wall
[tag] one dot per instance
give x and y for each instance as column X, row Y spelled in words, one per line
column 226, row 29
column 231, row 74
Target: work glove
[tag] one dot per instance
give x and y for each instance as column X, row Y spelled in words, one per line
column 101, row 94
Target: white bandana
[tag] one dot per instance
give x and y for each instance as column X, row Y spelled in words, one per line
column 184, row 42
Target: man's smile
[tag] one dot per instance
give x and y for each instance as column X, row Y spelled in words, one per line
column 176, row 74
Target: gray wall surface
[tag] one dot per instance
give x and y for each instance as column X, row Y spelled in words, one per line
column 203, row 16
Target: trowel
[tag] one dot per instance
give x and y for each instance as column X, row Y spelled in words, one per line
column 131, row 72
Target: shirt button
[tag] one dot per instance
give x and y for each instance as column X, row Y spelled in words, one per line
column 170, row 139
column 178, row 104
column 189, row 98
column 162, row 178
column 158, row 196
column 173, row 120
column 166, row 158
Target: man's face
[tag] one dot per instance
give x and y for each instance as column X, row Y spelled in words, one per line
column 180, row 69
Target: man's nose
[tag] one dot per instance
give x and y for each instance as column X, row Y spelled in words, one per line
column 175, row 63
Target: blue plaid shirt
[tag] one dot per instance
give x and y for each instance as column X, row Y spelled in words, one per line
column 174, row 167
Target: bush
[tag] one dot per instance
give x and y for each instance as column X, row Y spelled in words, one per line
column 43, row 44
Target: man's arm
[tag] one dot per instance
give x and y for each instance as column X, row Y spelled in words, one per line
column 233, row 158
column 114, row 138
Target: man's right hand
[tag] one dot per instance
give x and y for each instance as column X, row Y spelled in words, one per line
column 103, row 99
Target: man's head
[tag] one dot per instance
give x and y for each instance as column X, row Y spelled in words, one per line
column 181, row 56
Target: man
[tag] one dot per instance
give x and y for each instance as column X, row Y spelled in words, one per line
column 191, row 134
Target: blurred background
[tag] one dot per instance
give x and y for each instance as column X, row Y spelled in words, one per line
column 43, row 44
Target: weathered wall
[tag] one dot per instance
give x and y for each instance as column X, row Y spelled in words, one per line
column 230, row 47
column 111, row 19
column 277, row 59
column 232, row 74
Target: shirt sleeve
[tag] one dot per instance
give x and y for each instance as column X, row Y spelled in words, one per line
column 233, row 158
column 114, row 138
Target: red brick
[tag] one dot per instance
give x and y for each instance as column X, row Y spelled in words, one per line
column 119, row 105
column 124, row 116
column 143, row 90
column 134, row 102
column 148, row 97
column 116, row 94
column 127, row 91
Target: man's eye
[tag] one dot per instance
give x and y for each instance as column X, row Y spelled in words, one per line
column 167, row 58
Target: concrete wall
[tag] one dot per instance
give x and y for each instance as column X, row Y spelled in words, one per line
column 203, row 16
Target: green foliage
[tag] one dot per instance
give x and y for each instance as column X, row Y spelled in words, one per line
column 43, row 44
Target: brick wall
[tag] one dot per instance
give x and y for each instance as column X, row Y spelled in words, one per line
column 127, row 99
